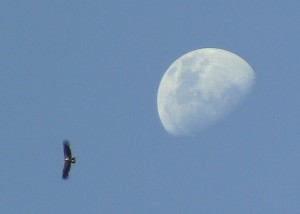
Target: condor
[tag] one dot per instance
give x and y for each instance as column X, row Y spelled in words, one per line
column 68, row 160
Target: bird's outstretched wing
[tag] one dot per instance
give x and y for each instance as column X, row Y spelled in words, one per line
column 65, row 174
column 67, row 150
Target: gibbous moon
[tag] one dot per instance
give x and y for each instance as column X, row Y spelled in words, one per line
column 200, row 88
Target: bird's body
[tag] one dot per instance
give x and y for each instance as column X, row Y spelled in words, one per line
column 68, row 159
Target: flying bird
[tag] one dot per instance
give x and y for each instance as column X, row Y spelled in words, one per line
column 68, row 159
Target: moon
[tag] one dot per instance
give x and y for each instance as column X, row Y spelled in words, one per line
column 200, row 88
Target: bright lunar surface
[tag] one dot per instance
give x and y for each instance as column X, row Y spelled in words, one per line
column 200, row 88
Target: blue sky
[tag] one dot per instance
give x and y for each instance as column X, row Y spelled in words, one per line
column 89, row 72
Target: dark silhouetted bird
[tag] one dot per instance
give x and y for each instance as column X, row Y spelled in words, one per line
column 68, row 159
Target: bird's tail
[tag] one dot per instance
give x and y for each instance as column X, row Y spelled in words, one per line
column 73, row 160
